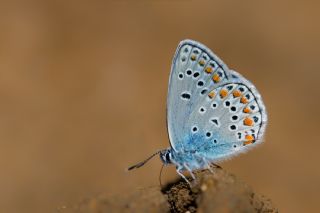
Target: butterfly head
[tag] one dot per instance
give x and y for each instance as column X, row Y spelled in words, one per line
column 165, row 156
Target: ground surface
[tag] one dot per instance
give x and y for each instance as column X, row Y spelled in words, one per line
column 213, row 192
column 83, row 90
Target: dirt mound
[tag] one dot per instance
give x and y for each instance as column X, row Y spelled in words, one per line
column 212, row 192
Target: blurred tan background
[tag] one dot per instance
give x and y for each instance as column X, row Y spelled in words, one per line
column 83, row 88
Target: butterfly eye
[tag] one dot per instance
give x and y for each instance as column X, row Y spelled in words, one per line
column 167, row 157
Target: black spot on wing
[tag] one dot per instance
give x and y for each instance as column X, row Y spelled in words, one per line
column 185, row 96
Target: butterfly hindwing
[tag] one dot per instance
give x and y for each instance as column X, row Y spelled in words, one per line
column 229, row 120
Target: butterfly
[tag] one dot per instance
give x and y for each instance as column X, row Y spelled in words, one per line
column 213, row 112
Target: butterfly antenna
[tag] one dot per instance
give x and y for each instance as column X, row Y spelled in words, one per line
column 138, row 165
column 160, row 176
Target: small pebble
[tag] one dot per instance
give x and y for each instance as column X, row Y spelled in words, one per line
column 204, row 187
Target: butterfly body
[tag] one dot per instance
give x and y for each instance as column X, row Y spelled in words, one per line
column 213, row 113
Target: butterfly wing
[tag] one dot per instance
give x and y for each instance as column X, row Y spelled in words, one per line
column 195, row 69
column 230, row 120
column 211, row 110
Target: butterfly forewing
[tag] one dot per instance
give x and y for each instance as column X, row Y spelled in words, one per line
column 195, row 71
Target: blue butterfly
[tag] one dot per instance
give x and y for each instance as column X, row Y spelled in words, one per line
column 213, row 113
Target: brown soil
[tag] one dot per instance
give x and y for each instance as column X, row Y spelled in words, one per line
column 212, row 192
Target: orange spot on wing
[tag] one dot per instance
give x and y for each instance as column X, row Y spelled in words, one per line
column 249, row 140
column 211, row 94
column 249, row 137
column 246, row 110
column 244, row 100
column 248, row 121
column 223, row 93
column 236, row 93
column 201, row 62
column 216, row 78
column 193, row 57
column 247, row 143
column 208, row 70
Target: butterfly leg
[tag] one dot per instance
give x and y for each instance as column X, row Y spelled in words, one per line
column 217, row 166
column 204, row 164
column 179, row 171
column 207, row 165
column 189, row 170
